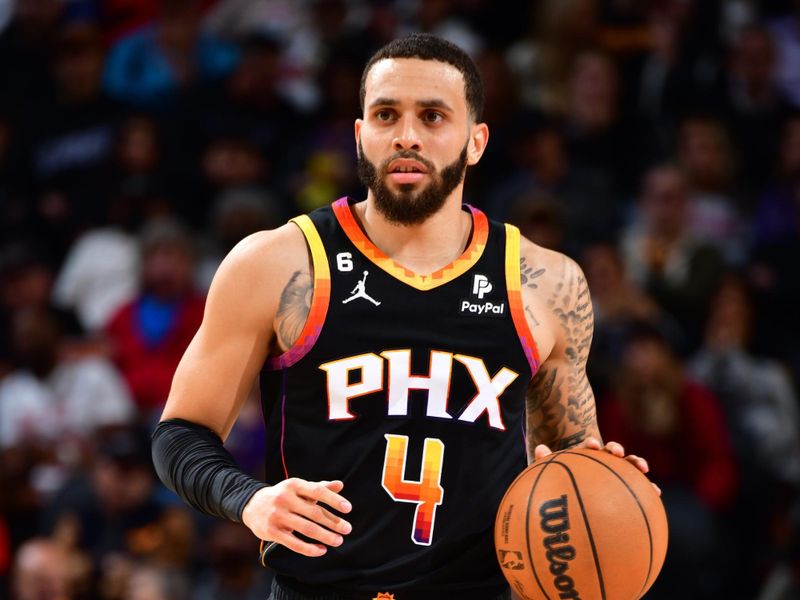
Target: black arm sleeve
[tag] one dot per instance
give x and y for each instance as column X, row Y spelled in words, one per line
column 191, row 461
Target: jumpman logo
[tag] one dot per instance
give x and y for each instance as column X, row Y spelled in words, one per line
column 360, row 292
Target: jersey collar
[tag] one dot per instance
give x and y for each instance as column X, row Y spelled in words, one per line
column 470, row 256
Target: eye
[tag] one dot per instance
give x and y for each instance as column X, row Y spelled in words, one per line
column 384, row 114
column 433, row 116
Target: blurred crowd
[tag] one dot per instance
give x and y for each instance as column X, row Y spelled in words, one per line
column 657, row 142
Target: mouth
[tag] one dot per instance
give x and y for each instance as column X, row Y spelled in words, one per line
column 406, row 171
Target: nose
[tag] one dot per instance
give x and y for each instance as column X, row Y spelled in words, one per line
column 407, row 137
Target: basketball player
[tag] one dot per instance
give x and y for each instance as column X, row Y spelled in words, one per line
column 410, row 352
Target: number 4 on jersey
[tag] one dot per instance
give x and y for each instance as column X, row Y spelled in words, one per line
column 427, row 493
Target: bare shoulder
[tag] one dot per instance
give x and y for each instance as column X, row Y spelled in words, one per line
column 255, row 271
column 262, row 257
column 555, row 295
column 545, row 270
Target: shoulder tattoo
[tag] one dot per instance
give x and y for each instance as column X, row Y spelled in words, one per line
column 295, row 304
column 528, row 274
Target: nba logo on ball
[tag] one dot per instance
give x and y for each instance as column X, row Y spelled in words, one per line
column 511, row 559
column 581, row 524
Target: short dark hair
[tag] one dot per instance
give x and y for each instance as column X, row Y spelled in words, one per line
column 430, row 47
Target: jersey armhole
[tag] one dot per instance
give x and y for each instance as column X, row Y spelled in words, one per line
column 514, row 288
column 319, row 300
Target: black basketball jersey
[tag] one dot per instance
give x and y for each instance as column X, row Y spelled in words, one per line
column 410, row 389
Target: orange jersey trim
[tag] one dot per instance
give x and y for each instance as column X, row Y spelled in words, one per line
column 480, row 233
column 514, row 287
column 319, row 302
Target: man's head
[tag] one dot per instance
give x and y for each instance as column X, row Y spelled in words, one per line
column 46, row 570
column 664, row 200
column 425, row 46
column 167, row 268
column 422, row 100
column 752, row 60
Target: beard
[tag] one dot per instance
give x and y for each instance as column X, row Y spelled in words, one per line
column 408, row 207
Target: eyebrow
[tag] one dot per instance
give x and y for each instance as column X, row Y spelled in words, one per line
column 424, row 103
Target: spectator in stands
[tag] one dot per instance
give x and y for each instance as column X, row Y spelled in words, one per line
column 786, row 33
column 329, row 171
column 441, row 18
column 502, row 108
column 16, row 214
column 100, row 273
column 229, row 160
column 778, row 210
column 150, row 333
column 68, row 137
column 762, row 413
column 120, row 17
column 148, row 582
column 233, row 575
column 150, row 66
column 561, row 29
column 237, row 213
column 138, row 156
column 679, row 426
column 773, row 265
column 25, row 51
column 540, row 219
column 663, row 257
column 46, row 570
column 601, row 138
column 542, row 165
column 72, row 396
column 115, row 508
column 617, row 304
column 26, row 282
column 101, row 269
column 714, row 213
column 248, row 105
column 681, row 72
column 753, row 106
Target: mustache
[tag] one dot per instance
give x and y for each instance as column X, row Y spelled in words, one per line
column 408, row 155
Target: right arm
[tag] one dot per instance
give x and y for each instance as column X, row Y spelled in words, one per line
column 255, row 304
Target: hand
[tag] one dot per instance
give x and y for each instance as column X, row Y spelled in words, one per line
column 611, row 447
column 295, row 505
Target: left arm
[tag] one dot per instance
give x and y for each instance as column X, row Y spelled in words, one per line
column 560, row 405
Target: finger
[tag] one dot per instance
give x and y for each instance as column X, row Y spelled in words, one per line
column 319, row 514
column 314, row 531
column 638, row 462
column 592, row 443
column 541, row 451
column 319, row 492
column 658, row 489
column 334, row 486
column 285, row 538
column 615, row 449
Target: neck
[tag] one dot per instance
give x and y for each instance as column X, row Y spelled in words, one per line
column 422, row 248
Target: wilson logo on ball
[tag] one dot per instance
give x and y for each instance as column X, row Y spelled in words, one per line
column 555, row 521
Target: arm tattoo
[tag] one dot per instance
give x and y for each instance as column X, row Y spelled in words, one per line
column 544, row 409
column 527, row 274
column 293, row 309
column 560, row 403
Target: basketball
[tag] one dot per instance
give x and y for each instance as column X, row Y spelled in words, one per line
column 581, row 524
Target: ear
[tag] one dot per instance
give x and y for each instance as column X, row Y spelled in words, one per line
column 357, row 130
column 479, row 137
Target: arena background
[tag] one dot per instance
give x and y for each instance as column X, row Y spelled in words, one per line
column 655, row 141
